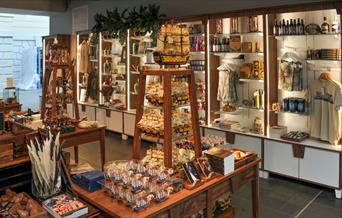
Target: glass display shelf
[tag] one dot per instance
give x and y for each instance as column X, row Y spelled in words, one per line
column 251, row 80
column 283, row 37
column 238, row 34
column 251, row 108
column 153, row 107
column 236, row 53
column 289, row 112
column 237, row 112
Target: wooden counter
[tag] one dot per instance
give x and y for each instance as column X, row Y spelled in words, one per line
column 184, row 203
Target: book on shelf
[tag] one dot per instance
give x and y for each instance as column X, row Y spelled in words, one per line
column 65, row 206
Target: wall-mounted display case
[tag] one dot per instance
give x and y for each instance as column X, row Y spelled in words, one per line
column 140, row 58
column 113, row 58
column 88, row 67
column 237, row 74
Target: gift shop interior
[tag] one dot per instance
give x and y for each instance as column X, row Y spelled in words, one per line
column 142, row 108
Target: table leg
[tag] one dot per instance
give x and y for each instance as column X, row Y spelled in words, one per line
column 255, row 193
column 76, row 153
column 209, row 206
column 103, row 147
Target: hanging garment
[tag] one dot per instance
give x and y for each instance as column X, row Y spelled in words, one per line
column 290, row 73
column 228, row 78
column 84, row 53
column 324, row 116
column 93, row 86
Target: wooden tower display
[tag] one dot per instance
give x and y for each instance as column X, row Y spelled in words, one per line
column 59, row 83
column 167, row 107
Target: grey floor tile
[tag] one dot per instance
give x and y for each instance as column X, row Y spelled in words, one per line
column 325, row 206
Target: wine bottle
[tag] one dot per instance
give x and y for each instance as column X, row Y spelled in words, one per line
column 287, row 28
column 291, row 27
column 325, row 26
column 302, row 27
column 298, row 27
column 276, row 28
column 283, row 27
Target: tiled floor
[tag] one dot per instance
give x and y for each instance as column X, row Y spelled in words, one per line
column 279, row 197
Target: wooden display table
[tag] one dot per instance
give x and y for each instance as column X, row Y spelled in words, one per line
column 83, row 136
column 184, row 203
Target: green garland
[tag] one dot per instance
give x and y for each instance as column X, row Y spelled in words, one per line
column 139, row 21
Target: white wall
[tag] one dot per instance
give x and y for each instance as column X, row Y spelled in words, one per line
column 17, row 34
column 176, row 8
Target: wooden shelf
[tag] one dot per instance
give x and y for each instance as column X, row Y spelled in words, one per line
column 14, row 162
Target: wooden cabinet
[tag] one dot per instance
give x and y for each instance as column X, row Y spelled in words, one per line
column 129, row 123
column 320, row 166
column 115, row 122
column 278, row 158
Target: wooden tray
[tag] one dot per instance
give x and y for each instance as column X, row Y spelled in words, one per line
column 40, row 212
column 295, row 140
column 251, row 156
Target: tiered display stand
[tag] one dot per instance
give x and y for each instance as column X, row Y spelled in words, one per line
column 166, row 78
column 67, row 72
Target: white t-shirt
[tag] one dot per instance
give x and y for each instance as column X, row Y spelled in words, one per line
column 324, row 116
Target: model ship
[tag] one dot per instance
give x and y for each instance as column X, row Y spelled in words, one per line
column 173, row 45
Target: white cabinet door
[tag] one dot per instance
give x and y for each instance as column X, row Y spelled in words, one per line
column 101, row 116
column 320, row 166
column 90, row 112
column 114, row 122
column 82, row 113
column 248, row 143
column 129, row 123
column 278, row 158
column 70, row 110
column 208, row 131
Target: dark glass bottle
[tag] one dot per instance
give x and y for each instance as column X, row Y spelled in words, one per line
column 291, row 27
column 298, row 27
column 283, row 28
column 276, row 28
column 302, row 27
column 287, row 28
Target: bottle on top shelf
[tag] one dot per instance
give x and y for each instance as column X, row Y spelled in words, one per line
column 287, row 27
column 276, row 28
column 325, row 27
column 220, row 44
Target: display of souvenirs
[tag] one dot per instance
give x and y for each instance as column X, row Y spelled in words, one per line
column 136, row 184
column 173, row 45
column 155, row 157
column 258, row 125
column 191, row 172
column 290, row 73
column 179, row 93
column 61, row 124
column 197, row 65
column 210, row 141
column 253, row 24
column 324, row 54
column 14, row 205
column 295, row 136
column 229, row 108
column 58, row 54
column 65, row 205
column 294, row 105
